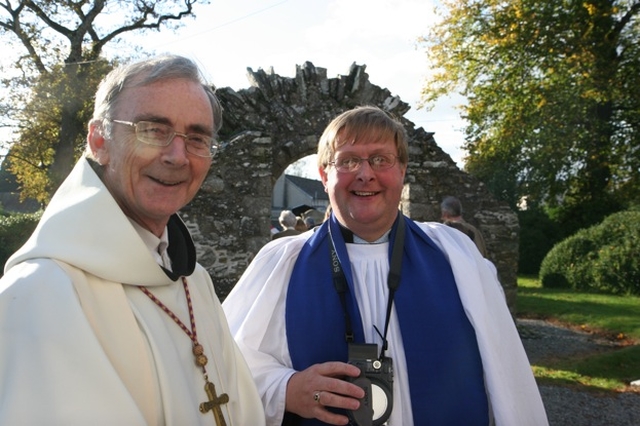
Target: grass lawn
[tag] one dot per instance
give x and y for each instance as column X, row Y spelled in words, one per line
column 616, row 317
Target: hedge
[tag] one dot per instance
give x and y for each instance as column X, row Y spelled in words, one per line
column 15, row 229
column 602, row 258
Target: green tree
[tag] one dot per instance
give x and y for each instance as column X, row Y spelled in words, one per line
column 40, row 116
column 60, row 45
column 553, row 100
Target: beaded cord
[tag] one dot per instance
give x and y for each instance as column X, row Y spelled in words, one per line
column 197, row 349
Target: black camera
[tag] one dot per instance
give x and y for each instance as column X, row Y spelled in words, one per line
column 376, row 379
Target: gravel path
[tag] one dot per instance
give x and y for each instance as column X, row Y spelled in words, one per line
column 570, row 407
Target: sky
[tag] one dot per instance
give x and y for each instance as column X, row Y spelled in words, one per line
column 229, row 36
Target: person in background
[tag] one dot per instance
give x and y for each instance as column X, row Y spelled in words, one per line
column 301, row 225
column 451, row 213
column 373, row 303
column 105, row 316
column 288, row 220
column 309, row 222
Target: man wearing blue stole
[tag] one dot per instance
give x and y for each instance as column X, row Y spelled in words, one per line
column 372, row 318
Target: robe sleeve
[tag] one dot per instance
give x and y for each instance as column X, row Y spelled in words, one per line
column 255, row 310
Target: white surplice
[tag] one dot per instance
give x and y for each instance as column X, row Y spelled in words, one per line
column 255, row 309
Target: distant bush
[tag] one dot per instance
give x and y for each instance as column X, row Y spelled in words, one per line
column 603, row 258
column 15, row 229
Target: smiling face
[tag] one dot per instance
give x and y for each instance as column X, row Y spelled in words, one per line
column 151, row 183
column 365, row 201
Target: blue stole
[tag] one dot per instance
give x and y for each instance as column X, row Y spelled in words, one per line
column 445, row 369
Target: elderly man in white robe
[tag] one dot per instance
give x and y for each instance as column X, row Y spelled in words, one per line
column 373, row 318
column 105, row 316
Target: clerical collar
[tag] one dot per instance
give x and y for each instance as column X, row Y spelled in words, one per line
column 350, row 237
column 180, row 248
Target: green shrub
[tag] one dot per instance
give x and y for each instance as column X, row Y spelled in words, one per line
column 15, row 229
column 603, row 258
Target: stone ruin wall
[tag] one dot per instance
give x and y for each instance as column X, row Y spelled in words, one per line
column 277, row 121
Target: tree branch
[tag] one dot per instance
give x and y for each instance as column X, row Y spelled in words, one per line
column 14, row 26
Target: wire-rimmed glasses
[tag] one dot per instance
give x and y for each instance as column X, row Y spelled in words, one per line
column 351, row 163
column 160, row 134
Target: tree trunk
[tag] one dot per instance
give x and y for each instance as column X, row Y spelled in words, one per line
column 71, row 127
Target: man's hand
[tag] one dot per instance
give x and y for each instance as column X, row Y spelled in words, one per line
column 323, row 385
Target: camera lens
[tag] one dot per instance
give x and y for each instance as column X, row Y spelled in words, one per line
column 380, row 401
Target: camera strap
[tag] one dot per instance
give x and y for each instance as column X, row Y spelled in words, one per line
column 393, row 280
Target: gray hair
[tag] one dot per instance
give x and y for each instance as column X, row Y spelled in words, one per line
column 451, row 206
column 310, row 222
column 287, row 219
column 144, row 73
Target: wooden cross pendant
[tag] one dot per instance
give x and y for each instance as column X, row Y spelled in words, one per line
column 214, row 403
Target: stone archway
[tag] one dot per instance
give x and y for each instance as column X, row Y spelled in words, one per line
column 279, row 120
